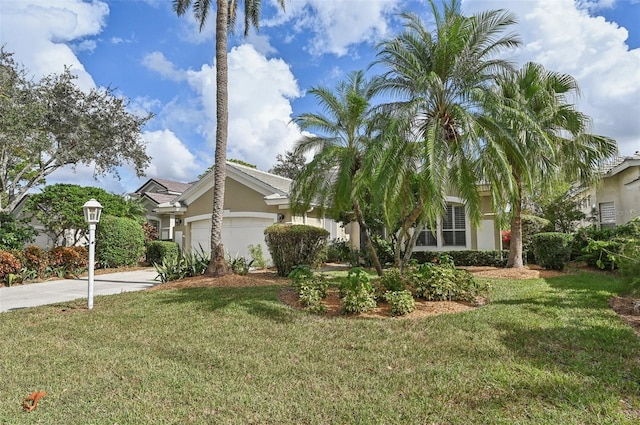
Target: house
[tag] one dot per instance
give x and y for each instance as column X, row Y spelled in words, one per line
column 615, row 199
column 254, row 200
column 156, row 193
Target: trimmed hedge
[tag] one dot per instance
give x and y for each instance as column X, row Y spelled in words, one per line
column 466, row 257
column 119, row 242
column 157, row 251
column 295, row 245
column 552, row 249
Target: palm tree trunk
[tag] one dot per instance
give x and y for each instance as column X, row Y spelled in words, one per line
column 218, row 266
column 364, row 233
column 515, row 246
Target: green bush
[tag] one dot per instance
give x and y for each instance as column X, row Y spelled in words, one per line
column 552, row 249
column 339, row 251
column 599, row 247
column 357, row 292
column 466, row 257
column 119, row 242
column 159, row 250
column 13, row 233
column 392, row 281
column 401, row 302
column 311, row 289
column 443, row 282
column 257, row 256
column 295, row 245
column 189, row 264
column 239, row 265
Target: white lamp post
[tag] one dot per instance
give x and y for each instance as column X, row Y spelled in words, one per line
column 92, row 210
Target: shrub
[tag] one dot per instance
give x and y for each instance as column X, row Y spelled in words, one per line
column 466, row 257
column 119, row 242
column 629, row 263
column 443, row 282
column 9, row 266
column 14, row 234
column 357, row 292
column 311, row 289
column 35, row 259
column 294, row 245
column 257, row 256
column 552, row 249
column 239, row 265
column 159, row 250
column 339, row 251
column 401, row 302
column 392, row 281
column 68, row 259
column 188, row 264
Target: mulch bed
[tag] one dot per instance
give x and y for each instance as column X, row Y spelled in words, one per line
column 627, row 308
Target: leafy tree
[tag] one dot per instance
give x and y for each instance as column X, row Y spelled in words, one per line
column 14, row 234
column 289, row 165
column 51, row 123
column 562, row 208
column 59, row 208
column 328, row 181
column 226, row 12
column 546, row 141
column 438, row 127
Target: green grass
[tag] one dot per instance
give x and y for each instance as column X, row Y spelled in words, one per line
column 542, row 352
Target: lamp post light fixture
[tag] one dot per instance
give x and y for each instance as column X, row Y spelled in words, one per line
column 92, row 210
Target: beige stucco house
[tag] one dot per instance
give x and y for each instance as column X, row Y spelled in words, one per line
column 615, row 199
column 253, row 201
column 256, row 199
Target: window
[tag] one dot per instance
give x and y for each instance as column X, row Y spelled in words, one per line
column 451, row 231
column 454, row 226
column 427, row 238
column 607, row 214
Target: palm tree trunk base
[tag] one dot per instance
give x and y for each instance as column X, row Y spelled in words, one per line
column 218, row 265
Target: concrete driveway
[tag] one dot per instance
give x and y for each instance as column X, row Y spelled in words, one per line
column 55, row 291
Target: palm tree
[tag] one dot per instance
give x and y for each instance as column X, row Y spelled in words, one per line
column 440, row 77
column 328, row 181
column 226, row 12
column 546, row 140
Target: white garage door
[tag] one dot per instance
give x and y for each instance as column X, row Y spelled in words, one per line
column 237, row 234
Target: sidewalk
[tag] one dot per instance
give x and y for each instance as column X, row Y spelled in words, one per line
column 55, row 291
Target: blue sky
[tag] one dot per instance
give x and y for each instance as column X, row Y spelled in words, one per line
column 164, row 65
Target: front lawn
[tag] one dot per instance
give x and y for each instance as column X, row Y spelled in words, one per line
column 543, row 351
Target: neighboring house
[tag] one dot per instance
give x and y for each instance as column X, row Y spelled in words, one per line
column 253, row 201
column 615, row 199
column 43, row 239
column 157, row 195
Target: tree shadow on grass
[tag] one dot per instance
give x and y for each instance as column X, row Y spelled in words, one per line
column 261, row 301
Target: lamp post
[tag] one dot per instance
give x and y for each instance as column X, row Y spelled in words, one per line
column 92, row 210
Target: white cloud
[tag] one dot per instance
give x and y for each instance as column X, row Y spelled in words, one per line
column 337, row 25
column 37, row 31
column 260, row 91
column 170, row 157
column 563, row 37
column 158, row 63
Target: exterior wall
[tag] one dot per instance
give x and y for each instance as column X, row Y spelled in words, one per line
column 622, row 189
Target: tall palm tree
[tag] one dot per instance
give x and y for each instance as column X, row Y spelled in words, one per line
column 226, row 12
column 440, row 76
column 547, row 139
column 343, row 133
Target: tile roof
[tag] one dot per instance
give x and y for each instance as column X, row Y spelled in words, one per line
column 173, row 186
column 279, row 183
column 160, row 198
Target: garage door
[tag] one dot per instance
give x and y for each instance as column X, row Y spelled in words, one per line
column 237, row 234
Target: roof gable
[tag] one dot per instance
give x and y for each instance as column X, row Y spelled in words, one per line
column 269, row 185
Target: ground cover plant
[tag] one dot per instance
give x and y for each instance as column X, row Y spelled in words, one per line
column 545, row 350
